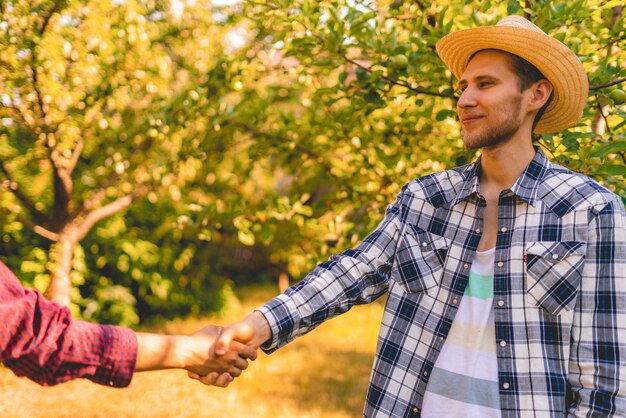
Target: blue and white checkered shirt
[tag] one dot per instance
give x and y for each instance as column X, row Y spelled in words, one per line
column 559, row 291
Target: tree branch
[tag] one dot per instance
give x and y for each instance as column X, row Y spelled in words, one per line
column 400, row 83
column 112, row 208
column 75, row 156
column 46, row 18
column 599, row 123
column 40, row 230
column 17, row 192
column 98, row 196
column 527, row 4
column 251, row 129
column 609, row 84
column 18, row 113
column 601, row 112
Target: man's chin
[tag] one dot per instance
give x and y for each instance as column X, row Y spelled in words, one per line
column 472, row 143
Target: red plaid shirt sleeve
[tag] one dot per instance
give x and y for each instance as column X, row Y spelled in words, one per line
column 40, row 340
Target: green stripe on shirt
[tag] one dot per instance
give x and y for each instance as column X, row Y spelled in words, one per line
column 479, row 286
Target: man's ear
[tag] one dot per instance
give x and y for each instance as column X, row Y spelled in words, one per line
column 540, row 93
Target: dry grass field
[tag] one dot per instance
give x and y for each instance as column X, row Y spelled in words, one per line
column 323, row 374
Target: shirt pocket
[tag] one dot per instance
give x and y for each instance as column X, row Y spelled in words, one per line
column 554, row 270
column 420, row 260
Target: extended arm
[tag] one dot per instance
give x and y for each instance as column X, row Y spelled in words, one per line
column 40, row 340
column 356, row 276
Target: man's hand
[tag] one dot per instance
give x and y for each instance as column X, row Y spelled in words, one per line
column 202, row 359
column 194, row 353
column 252, row 331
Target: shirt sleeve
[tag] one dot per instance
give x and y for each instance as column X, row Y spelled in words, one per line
column 40, row 340
column 597, row 368
column 356, row 276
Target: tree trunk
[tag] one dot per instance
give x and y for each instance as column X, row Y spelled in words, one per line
column 60, row 287
column 283, row 282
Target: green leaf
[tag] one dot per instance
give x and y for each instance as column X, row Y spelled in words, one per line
column 611, row 148
column 613, row 170
column 443, row 114
column 361, row 20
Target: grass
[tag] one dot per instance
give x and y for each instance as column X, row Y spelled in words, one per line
column 323, row 374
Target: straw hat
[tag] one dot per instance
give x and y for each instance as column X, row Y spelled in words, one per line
column 518, row 36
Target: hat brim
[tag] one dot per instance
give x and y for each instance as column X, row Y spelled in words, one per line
column 554, row 59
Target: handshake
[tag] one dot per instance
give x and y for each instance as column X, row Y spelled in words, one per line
column 212, row 355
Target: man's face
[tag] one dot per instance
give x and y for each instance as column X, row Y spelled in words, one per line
column 490, row 106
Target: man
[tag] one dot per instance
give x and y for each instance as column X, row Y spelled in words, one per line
column 506, row 277
column 40, row 340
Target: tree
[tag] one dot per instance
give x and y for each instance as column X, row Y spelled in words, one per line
column 360, row 103
column 91, row 109
column 251, row 139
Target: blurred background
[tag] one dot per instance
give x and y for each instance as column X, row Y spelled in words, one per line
column 164, row 163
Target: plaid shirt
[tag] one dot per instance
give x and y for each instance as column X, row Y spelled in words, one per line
column 40, row 340
column 559, row 291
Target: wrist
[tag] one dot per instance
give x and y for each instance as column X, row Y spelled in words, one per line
column 261, row 327
column 185, row 352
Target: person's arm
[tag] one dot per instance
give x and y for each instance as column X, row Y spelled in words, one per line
column 356, row 276
column 40, row 340
column 597, row 368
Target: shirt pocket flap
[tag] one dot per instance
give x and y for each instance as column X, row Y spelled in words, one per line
column 556, row 250
column 553, row 273
column 420, row 259
column 428, row 241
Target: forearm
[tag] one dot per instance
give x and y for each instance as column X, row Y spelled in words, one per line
column 330, row 290
column 356, row 276
column 157, row 352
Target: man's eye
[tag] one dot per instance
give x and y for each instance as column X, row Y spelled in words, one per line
column 485, row 84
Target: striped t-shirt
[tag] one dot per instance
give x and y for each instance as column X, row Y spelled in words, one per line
column 464, row 381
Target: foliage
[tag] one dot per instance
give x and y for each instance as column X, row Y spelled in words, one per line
column 264, row 135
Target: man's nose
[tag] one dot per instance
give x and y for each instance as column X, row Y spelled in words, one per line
column 467, row 98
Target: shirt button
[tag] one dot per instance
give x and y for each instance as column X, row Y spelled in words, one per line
column 478, row 230
column 424, row 244
column 506, row 385
column 555, row 256
column 416, row 410
column 425, row 373
column 502, row 343
column 500, row 303
column 500, row 263
column 466, row 266
column 503, row 229
column 455, row 301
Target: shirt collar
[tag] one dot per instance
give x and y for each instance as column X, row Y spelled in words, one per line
column 526, row 186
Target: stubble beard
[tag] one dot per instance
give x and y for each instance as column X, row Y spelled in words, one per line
column 498, row 132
